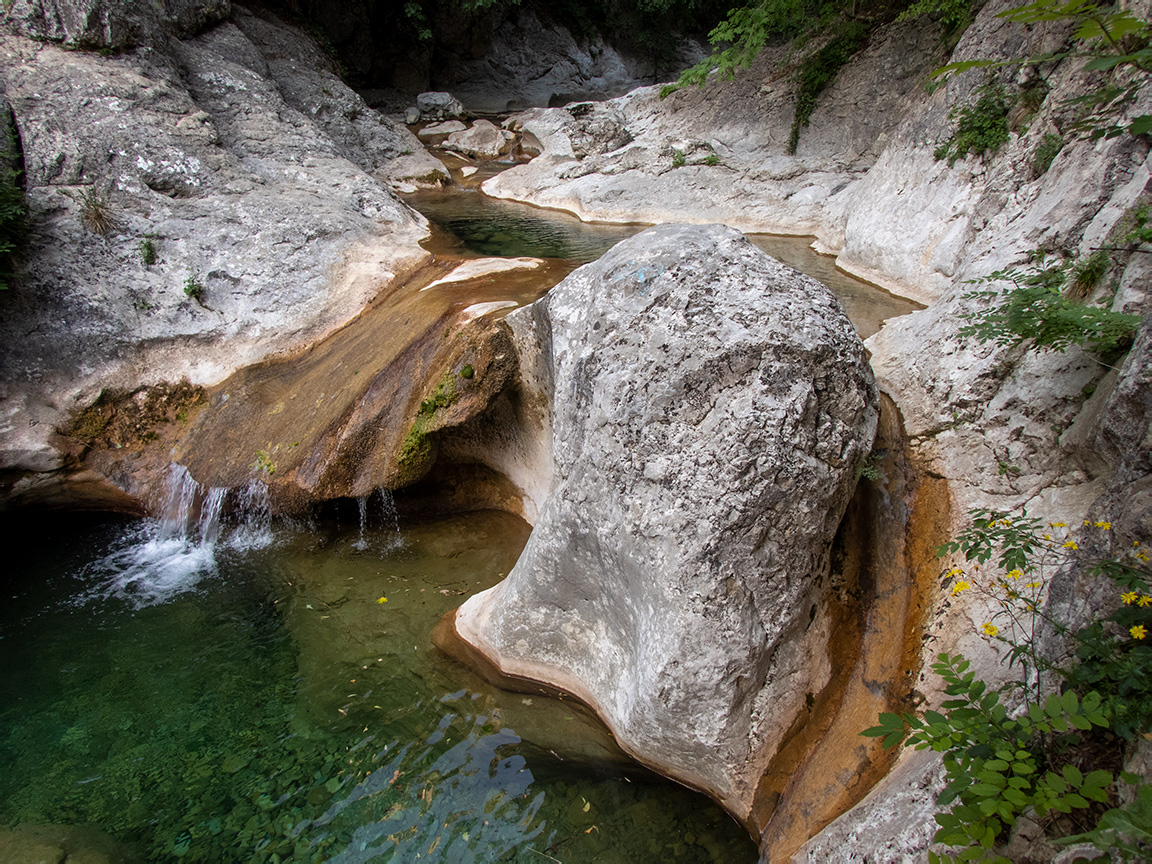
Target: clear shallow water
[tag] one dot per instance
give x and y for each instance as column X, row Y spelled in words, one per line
column 490, row 226
column 260, row 704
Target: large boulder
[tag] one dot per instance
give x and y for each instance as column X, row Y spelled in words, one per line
column 709, row 407
column 483, row 140
column 439, row 106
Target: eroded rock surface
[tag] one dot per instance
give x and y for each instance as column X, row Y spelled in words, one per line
column 194, row 206
column 709, row 406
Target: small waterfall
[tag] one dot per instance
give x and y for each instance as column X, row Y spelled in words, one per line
column 361, row 544
column 391, row 517
column 253, row 515
column 170, row 555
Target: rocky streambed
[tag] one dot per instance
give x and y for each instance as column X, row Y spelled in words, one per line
column 734, row 502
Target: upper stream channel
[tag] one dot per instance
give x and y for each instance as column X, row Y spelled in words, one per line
column 212, row 686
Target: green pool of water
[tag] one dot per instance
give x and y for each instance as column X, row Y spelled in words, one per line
column 494, row 227
column 490, row 226
column 280, row 701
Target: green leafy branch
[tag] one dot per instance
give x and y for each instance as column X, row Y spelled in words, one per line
column 1036, row 308
column 995, row 763
column 1110, row 39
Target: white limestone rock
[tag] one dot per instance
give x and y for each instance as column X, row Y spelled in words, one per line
column 483, row 140
column 447, row 127
column 210, row 150
column 709, row 406
column 439, row 106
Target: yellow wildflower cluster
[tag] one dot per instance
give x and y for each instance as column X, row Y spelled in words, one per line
column 1141, row 600
column 991, row 629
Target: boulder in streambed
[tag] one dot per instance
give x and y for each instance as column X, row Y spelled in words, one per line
column 446, row 127
column 439, row 106
column 483, row 140
column 709, row 406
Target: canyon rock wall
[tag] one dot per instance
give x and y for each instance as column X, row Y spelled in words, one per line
column 1005, row 427
column 709, row 408
column 195, row 205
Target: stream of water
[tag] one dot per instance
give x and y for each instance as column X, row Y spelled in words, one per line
column 211, row 686
column 206, row 687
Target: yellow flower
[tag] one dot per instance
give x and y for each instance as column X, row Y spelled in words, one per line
column 960, row 586
column 1104, row 525
column 1087, row 522
column 1058, row 524
column 1143, row 556
column 1070, row 544
column 1138, row 632
column 955, row 571
column 1129, row 597
column 1145, row 600
column 1048, row 537
column 991, row 629
column 382, row 600
column 1015, row 573
column 1033, row 584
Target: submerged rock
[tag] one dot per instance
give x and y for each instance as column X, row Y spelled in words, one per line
column 709, row 406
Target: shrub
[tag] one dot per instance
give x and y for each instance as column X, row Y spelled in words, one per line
column 999, row 763
column 148, row 251
column 194, row 288
column 678, row 158
column 1049, row 146
column 13, row 209
column 819, row 70
column 980, row 128
column 1035, row 308
column 954, row 15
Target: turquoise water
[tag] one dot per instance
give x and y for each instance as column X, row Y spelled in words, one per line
column 242, row 694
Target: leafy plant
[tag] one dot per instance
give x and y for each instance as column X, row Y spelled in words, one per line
column 1126, row 830
column 1087, row 272
column 148, row 251
column 980, row 128
column 818, row 71
column 868, row 469
column 1141, row 231
column 678, row 158
column 194, row 288
column 1035, row 308
column 1111, row 39
column 954, row 15
column 712, row 159
column 998, row 762
column 1046, row 151
column 995, row 763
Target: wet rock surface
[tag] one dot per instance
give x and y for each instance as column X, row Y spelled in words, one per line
column 193, row 207
column 709, row 406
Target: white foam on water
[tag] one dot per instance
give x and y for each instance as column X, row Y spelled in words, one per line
column 162, row 558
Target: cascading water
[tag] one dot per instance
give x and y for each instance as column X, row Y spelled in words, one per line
column 164, row 557
column 389, row 522
column 253, row 515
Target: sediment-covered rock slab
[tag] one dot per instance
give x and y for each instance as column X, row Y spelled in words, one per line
column 709, row 407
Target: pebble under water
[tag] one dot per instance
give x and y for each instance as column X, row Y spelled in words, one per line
column 273, row 696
